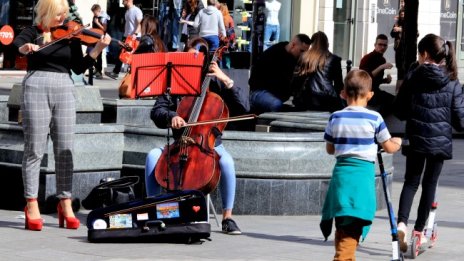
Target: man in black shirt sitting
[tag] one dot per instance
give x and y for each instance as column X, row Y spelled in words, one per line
column 375, row 65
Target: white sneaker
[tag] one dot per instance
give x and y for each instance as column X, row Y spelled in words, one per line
column 402, row 232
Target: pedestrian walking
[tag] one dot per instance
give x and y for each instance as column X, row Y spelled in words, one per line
column 431, row 102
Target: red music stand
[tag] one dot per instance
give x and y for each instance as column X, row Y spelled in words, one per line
column 176, row 73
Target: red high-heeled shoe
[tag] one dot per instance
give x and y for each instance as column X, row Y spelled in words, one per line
column 32, row 224
column 71, row 222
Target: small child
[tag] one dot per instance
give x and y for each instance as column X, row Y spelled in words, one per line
column 184, row 37
column 99, row 21
column 352, row 135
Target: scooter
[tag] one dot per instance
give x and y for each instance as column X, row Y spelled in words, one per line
column 397, row 255
column 416, row 246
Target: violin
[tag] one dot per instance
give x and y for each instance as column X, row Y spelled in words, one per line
column 74, row 30
column 193, row 163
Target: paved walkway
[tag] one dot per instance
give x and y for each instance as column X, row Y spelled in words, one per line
column 263, row 238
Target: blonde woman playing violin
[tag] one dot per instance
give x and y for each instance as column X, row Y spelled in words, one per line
column 47, row 105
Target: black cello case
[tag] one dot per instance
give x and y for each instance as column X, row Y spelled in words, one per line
column 178, row 216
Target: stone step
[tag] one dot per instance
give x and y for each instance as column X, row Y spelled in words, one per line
column 96, row 147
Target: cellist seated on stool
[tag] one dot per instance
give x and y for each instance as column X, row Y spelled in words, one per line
column 164, row 114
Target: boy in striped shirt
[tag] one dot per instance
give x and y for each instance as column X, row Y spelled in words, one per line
column 352, row 135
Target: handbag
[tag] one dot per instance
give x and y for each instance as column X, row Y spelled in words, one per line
column 111, row 193
column 126, row 88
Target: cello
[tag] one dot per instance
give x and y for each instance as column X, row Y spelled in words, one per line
column 191, row 161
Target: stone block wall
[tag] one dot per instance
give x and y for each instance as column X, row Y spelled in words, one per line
column 278, row 173
column 3, row 108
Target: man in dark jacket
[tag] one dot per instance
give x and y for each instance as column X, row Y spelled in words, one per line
column 272, row 74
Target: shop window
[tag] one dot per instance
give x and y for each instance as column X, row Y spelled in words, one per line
column 18, row 14
column 271, row 22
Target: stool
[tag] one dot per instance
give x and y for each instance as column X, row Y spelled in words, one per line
column 211, row 205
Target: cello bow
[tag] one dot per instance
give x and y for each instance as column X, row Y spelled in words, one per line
column 237, row 118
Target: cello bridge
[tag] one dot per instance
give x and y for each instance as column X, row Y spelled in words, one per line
column 186, row 140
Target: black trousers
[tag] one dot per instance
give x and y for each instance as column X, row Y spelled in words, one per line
column 414, row 167
column 99, row 64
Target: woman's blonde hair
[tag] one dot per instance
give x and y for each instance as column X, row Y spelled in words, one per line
column 47, row 10
column 316, row 56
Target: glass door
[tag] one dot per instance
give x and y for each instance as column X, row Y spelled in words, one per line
column 344, row 22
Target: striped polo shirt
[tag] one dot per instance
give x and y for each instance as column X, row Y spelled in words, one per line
column 355, row 132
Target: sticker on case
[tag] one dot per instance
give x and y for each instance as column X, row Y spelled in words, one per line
column 121, row 221
column 142, row 216
column 167, row 210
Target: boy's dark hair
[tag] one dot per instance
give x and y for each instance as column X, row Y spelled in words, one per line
column 381, row 37
column 95, row 7
column 357, row 84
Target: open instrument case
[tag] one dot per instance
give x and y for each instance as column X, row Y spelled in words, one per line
column 177, row 216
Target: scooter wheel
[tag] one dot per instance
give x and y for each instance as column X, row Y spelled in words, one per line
column 415, row 247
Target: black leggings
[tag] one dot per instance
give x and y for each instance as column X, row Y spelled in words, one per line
column 414, row 168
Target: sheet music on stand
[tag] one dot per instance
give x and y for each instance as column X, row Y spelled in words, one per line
column 175, row 73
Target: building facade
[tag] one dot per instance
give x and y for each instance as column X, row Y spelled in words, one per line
column 351, row 25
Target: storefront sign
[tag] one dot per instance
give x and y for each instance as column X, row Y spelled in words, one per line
column 387, row 10
column 448, row 19
column 448, row 9
column 6, row 35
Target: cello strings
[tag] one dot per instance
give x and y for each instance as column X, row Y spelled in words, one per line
column 194, row 115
